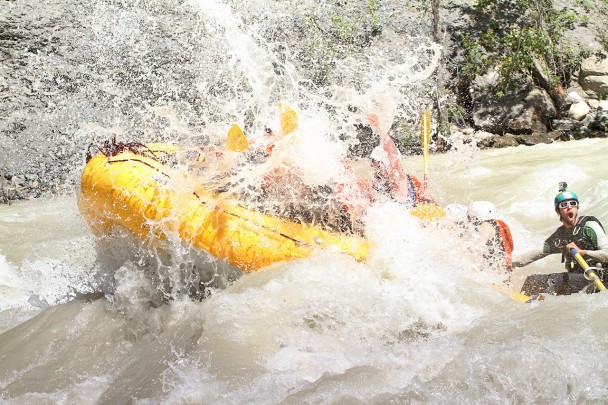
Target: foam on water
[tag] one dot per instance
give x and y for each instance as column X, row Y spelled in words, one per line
column 416, row 322
column 310, row 320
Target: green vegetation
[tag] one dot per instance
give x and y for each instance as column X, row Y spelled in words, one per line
column 336, row 35
column 358, row 28
column 514, row 36
column 374, row 8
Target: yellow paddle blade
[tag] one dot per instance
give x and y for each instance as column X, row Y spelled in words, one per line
column 288, row 118
column 236, row 140
column 515, row 296
column 428, row 212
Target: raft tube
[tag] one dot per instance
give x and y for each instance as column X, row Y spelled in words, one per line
column 134, row 191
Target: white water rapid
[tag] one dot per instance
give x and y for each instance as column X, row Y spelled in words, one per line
column 415, row 323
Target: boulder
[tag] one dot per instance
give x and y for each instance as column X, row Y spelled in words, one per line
column 504, row 141
column 579, row 110
column 583, row 38
column 593, row 76
column 566, row 125
column 536, row 114
column 536, row 138
column 595, row 65
column 522, row 111
column 595, row 86
column 574, row 96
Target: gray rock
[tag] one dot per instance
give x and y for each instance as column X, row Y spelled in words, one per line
column 522, row 112
column 565, row 125
column 578, row 110
column 73, row 71
column 595, row 86
column 583, row 38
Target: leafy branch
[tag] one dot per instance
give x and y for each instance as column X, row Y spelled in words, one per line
column 514, row 35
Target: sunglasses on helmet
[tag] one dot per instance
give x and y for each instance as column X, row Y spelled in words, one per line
column 564, row 204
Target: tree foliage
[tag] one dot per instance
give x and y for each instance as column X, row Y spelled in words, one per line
column 514, row 36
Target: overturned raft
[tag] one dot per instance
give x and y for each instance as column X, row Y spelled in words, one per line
column 131, row 187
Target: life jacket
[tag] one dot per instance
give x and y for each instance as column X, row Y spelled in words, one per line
column 503, row 233
column 414, row 189
column 583, row 243
column 382, row 184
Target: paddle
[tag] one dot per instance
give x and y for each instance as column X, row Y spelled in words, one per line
column 589, row 273
column 288, row 118
column 396, row 173
column 515, row 296
column 236, row 140
column 425, row 139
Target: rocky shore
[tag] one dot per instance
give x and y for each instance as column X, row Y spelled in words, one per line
column 66, row 83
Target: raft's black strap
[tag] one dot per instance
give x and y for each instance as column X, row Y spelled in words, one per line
column 298, row 242
column 139, row 161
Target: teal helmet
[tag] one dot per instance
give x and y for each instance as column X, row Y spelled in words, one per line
column 563, row 196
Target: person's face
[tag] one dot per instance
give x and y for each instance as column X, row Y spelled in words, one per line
column 568, row 211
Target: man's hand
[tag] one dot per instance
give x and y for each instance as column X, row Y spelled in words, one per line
column 573, row 245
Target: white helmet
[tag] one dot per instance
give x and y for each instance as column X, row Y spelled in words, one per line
column 456, row 212
column 481, row 211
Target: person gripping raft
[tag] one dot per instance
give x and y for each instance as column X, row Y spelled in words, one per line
column 586, row 234
column 493, row 234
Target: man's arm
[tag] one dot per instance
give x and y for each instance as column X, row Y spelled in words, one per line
column 601, row 253
column 529, row 257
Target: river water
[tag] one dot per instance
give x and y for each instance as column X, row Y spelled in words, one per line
column 415, row 323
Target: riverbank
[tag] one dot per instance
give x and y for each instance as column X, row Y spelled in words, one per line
column 75, row 73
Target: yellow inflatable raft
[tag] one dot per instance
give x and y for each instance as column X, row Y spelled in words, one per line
column 133, row 189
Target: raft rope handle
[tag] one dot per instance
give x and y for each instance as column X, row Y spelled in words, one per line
column 112, row 148
column 296, row 241
column 139, row 161
column 590, row 274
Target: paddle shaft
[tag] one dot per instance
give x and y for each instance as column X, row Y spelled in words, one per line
column 590, row 273
column 425, row 139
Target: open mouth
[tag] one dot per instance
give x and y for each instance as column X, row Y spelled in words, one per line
column 570, row 215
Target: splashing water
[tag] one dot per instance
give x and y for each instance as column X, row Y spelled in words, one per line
column 414, row 323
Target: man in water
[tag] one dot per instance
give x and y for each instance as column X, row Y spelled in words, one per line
column 487, row 237
column 585, row 234
column 493, row 235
